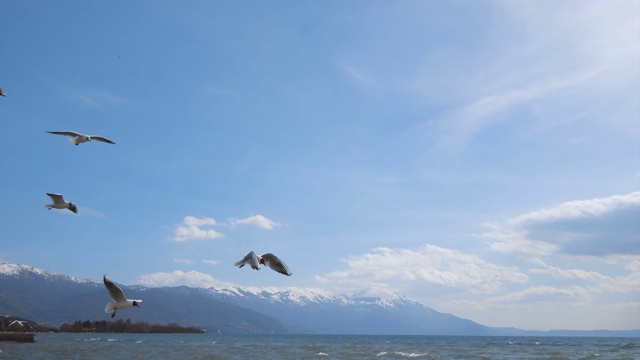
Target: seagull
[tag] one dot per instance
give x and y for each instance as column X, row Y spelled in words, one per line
column 2, row 93
column 78, row 138
column 19, row 322
column 119, row 301
column 272, row 261
column 59, row 203
column 22, row 325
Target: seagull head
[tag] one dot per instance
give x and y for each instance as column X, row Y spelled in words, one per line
column 135, row 303
column 73, row 207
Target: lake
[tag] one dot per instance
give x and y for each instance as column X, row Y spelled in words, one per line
column 67, row 346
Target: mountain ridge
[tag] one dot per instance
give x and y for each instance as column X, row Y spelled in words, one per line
column 52, row 298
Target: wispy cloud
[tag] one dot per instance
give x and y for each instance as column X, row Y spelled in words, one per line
column 256, row 220
column 177, row 277
column 359, row 75
column 82, row 211
column 546, row 294
column 429, row 264
column 182, row 261
column 565, row 56
column 193, row 228
column 210, row 262
column 92, row 98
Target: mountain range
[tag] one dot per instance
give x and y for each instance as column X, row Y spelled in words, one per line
column 52, row 299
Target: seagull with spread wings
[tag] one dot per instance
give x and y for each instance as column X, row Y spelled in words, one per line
column 254, row 260
column 119, row 301
column 78, row 138
column 59, row 203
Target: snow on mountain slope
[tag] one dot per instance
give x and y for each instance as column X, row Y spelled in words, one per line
column 44, row 296
column 16, row 270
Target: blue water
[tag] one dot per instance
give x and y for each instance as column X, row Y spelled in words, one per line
column 217, row 346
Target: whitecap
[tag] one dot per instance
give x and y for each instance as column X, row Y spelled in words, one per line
column 413, row 355
column 382, row 353
column 322, row 354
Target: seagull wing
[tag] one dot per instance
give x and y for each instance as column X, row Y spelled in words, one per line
column 275, row 263
column 57, row 198
column 2, row 93
column 101, row 138
column 251, row 259
column 66, row 133
column 116, row 293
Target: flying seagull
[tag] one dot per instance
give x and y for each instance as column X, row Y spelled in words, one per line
column 59, row 203
column 272, row 261
column 78, row 138
column 2, row 93
column 119, row 300
column 19, row 322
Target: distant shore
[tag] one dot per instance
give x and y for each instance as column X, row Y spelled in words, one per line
column 126, row 326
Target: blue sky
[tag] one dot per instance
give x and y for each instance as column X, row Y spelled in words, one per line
column 481, row 157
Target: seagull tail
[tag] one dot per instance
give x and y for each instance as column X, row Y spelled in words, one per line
column 110, row 307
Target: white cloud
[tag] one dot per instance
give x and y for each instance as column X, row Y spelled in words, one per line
column 256, row 220
column 591, row 208
column 182, row 261
column 195, row 228
column 616, row 281
column 596, row 227
column 573, row 274
column 514, row 242
column 194, row 221
column 430, row 264
column 177, row 278
column 210, row 261
column 545, row 293
column 191, row 228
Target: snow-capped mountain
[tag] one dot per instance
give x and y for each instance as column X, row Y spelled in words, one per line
column 53, row 298
column 26, row 271
column 381, row 312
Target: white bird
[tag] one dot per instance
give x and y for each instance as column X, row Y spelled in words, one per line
column 78, row 138
column 2, row 93
column 254, row 260
column 19, row 322
column 119, row 300
column 59, row 203
column 22, row 325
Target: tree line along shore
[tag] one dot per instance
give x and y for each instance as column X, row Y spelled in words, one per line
column 101, row 326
